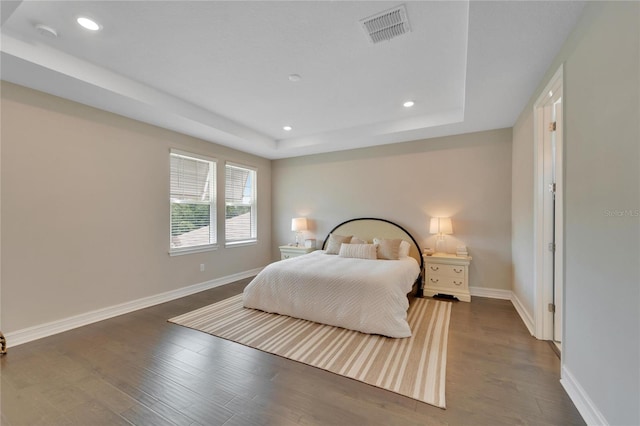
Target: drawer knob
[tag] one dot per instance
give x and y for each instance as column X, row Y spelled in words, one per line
column 457, row 282
column 434, row 281
column 286, row 256
column 434, row 268
column 457, row 271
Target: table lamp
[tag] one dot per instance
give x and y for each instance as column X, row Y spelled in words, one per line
column 440, row 226
column 298, row 224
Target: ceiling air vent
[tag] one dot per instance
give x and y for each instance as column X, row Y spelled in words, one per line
column 386, row 25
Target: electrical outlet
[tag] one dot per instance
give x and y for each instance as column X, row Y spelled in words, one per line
column 202, row 267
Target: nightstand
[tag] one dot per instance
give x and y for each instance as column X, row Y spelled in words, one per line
column 287, row 252
column 447, row 274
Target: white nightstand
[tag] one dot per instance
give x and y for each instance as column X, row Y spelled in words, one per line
column 287, row 252
column 447, row 274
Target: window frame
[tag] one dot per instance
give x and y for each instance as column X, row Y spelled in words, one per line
column 213, row 205
column 253, row 239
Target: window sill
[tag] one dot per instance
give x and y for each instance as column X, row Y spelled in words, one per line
column 191, row 250
column 241, row 243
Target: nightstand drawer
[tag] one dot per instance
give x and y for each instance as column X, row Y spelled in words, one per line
column 445, row 282
column 287, row 252
column 456, row 271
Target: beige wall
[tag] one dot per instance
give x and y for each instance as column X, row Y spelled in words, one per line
column 601, row 346
column 85, row 210
column 522, row 242
column 467, row 177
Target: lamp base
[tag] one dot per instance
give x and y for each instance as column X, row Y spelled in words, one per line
column 441, row 247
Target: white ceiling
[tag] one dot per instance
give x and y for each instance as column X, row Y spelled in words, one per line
column 219, row 70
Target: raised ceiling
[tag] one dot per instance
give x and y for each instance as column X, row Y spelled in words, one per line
column 220, row 70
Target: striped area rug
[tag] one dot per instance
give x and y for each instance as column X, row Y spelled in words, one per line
column 414, row 366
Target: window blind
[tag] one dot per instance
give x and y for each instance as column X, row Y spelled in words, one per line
column 193, row 201
column 240, row 203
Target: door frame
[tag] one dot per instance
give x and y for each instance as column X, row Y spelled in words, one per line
column 543, row 288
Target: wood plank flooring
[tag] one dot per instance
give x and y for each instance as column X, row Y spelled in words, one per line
column 139, row 369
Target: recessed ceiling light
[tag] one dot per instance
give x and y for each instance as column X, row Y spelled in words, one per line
column 295, row 77
column 287, row 128
column 87, row 23
column 408, row 104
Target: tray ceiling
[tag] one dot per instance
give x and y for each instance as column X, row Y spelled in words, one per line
column 236, row 73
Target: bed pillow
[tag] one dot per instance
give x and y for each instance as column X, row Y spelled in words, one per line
column 358, row 251
column 335, row 241
column 388, row 249
column 405, row 247
column 356, row 240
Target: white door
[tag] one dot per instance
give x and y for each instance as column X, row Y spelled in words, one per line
column 558, row 282
column 548, row 205
column 552, row 206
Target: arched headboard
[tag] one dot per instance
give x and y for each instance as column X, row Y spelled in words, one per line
column 368, row 228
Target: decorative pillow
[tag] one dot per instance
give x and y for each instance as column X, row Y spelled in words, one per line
column 405, row 247
column 356, row 240
column 358, row 251
column 335, row 241
column 388, row 249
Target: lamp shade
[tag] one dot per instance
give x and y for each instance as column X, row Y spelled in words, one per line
column 299, row 224
column 440, row 225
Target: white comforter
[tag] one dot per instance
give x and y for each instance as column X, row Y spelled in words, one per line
column 364, row 295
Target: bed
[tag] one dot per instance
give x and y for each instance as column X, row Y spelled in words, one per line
column 344, row 289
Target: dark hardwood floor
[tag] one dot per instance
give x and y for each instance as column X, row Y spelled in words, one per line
column 139, row 369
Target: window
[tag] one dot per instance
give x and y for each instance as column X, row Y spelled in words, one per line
column 240, row 204
column 193, row 203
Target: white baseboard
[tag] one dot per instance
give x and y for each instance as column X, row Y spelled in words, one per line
column 493, row 293
column 527, row 319
column 29, row 334
column 586, row 407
